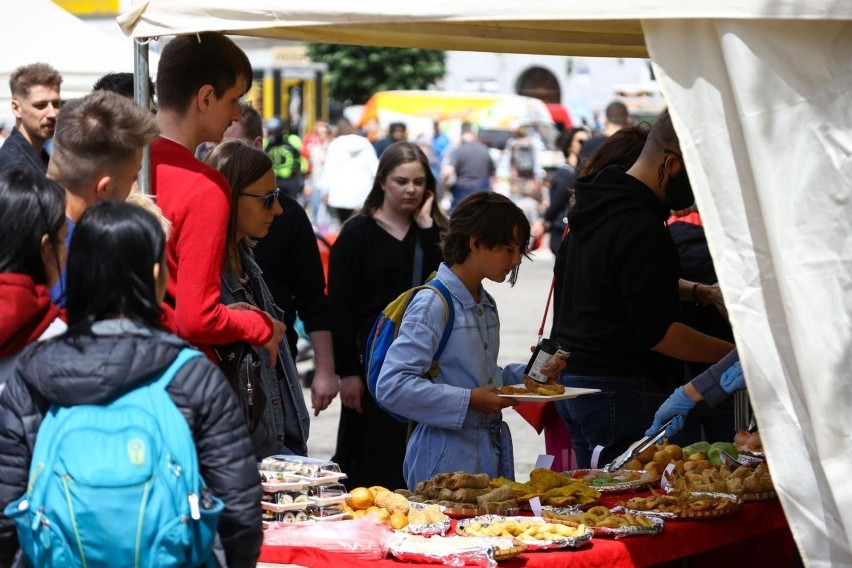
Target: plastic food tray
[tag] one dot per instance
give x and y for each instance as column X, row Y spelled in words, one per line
column 276, row 508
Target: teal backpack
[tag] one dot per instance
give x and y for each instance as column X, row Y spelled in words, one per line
column 386, row 329
column 117, row 485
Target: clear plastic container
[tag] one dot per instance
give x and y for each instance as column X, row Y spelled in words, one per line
column 286, row 497
column 327, row 513
column 310, row 470
column 325, row 495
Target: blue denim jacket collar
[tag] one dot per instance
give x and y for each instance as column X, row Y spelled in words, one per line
column 460, row 291
column 232, row 281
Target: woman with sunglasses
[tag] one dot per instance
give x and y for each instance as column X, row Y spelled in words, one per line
column 281, row 424
column 32, row 255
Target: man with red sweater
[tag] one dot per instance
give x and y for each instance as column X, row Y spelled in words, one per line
column 200, row 79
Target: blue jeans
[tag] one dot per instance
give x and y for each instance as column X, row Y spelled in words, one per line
column 613, row 419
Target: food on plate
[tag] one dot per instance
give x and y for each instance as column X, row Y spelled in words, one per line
column 468, row 495
column 392, row 502
column 684, row 504
column 398, row 520
column 543, row 479
column 600, row 517
column 745, row 479
column 427, row 516
column 748, row 441
column 563, row 491
column 496, row 495
column 463, row 491
column 532, row 387
column 522, row 530
column 471, row 480
column 547, row 389
column 360, row 498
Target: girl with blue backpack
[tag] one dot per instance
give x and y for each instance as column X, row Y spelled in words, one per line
column 458, row 412
column 119, row 445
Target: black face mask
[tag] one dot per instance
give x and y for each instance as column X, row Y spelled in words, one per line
column 679, row 192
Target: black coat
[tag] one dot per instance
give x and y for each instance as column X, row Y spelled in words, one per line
column 17, row 151
column 103, row 365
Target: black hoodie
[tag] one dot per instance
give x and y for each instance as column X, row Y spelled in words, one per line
column 616, row 279
column 99, row 367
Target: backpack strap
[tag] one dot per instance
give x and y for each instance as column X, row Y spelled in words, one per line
column 444, row 294
column 185, row 355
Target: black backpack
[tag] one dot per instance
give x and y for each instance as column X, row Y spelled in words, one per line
column 523, row 158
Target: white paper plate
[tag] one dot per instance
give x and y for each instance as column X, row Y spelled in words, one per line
column 569, row 393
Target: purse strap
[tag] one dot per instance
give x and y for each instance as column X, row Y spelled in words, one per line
column 550, row 294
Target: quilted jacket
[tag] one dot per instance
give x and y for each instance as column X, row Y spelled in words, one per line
column 110, row 358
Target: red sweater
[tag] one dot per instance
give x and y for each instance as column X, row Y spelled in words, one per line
column 196, row 199
column 25, row 312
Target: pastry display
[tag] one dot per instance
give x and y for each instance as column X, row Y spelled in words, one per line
column 684, row 505
column 552, row 488
column 535, row 532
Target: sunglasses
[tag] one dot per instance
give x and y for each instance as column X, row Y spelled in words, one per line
column 270, row 198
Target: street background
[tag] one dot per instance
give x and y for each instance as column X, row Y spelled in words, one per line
column 520, row 308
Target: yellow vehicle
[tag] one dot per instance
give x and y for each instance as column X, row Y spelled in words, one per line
column 496, row 116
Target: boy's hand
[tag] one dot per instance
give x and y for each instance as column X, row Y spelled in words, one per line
column 488, row 400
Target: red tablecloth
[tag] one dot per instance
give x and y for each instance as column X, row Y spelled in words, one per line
column 757, row 535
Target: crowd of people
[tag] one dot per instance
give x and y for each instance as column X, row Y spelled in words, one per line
column 196, row 290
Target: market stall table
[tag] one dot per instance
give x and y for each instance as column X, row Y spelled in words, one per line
column 757, row 533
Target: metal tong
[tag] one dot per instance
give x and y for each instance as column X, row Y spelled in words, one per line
column 636, row 448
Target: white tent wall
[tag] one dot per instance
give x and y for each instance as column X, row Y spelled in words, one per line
column 40, row 31
column 759, row 94
column 766, row 131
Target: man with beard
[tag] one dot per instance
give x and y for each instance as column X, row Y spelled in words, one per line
column 617, row 299
column 35, row 104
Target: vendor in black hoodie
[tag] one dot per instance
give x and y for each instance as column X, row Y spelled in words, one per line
column 617, row 299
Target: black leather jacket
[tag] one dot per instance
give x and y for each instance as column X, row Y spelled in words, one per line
column 98, row 367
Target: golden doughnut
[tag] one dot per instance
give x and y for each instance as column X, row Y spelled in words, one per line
column 599, row 512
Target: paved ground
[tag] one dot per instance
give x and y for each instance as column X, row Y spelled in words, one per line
column 520, row 309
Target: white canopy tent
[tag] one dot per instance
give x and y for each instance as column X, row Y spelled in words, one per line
column 759, row 94
column 40, row 31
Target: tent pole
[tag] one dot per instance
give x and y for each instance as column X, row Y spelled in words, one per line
column 142, row 95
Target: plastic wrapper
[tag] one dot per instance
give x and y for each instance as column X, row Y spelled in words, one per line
column 364, row 539
column 453, row 550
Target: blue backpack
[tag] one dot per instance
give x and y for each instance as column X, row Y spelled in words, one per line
column 386, row 329
column 117, row 485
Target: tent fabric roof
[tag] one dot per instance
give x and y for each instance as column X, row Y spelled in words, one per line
column 601, row 28
column 759, row 94
column 41, row 31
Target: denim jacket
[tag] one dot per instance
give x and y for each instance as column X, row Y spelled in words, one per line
column 286, row 423
column 449, row 436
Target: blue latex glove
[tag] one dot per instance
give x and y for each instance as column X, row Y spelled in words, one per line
column 732, row 379
column 676, row 407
